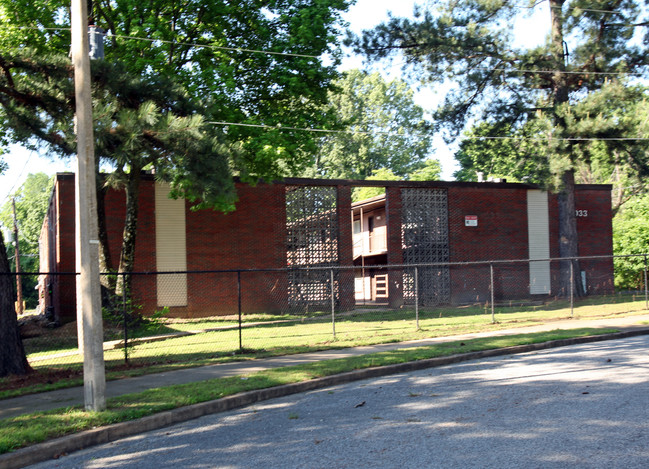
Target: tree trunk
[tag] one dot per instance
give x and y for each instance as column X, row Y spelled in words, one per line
column 568, row 239
column 12, row 352
column 105, row 259
column 127, row 257
column 107, row 278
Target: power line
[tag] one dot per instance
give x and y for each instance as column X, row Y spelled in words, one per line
column 209, row 46
column 562, row 139
column 304, row 129
column 567, row 72
column 189, row 44
column 410, row 134
column 591, row 10
column 290, row 54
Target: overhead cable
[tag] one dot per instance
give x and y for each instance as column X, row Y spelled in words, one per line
column 567, row 72
column 410, row 134
column 188, row 44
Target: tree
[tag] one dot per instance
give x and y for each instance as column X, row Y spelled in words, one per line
column 498, row 158
column 32, row 200
column 631, row 237
column 366, row 192
column 594, row 122
column 429, row 172
column 384, row 128
column 174, row 75
column 470, row 43
column 12, row 353
column 139, row 121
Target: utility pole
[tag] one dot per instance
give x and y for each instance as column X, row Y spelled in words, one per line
column 89, row 318
column 19, row 279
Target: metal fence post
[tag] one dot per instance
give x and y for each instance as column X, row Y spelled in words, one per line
column 646, row 288
column 417, row 296
column 125, row 316
column 572, row 289
column 493, row 312
column 333, row 303
column 239, row 308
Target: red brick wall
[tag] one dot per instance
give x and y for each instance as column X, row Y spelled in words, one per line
column 143, row 287
column 595, row 232
column 594, row 215
column 501, row 233
column 64, row 291
column 254, row 236
column 47, row 259
column 115, row 203
column 251, row 237
column 502, row 223
column 345, row 248
column 61, row 216
column 394, row 243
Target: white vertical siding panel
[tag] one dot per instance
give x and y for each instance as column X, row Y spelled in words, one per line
column 538, row 228
column 171, row 247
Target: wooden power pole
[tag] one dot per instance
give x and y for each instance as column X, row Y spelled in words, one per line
column 89, row 317
column 19, row 279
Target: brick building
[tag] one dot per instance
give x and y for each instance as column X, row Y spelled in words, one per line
column 283, row 227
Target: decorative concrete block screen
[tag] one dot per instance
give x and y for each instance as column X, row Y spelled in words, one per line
column 311, row 240
column 424, row 235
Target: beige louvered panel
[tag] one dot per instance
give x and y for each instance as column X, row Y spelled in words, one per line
column 538, row 229
column 171, row 247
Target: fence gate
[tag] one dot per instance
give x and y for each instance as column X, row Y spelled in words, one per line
column 424, row 236
column 311, row 241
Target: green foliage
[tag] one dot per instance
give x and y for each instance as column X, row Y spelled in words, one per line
column 123, row 310
column 615, row 110
column 508, row 90
column 118, row 312
column 509, row 158
column 207, row 50
column 431, row 171
column 366, row 192
column 173, row 73
column 32, row 201
column 386, row 129
column 595, row 121
column 631, row 237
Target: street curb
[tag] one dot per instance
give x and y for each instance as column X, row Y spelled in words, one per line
column 59, row 447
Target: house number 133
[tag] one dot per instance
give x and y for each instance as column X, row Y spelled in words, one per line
column 581, row 213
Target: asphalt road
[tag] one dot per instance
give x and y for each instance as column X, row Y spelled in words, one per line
column 579, row 406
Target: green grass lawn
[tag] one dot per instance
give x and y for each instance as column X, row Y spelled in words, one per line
column 38, row 427
column 270, row 335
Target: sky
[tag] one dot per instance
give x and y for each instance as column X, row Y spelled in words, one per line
column 363, row 15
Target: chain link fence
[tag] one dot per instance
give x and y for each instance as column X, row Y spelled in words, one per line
column 165, row 319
